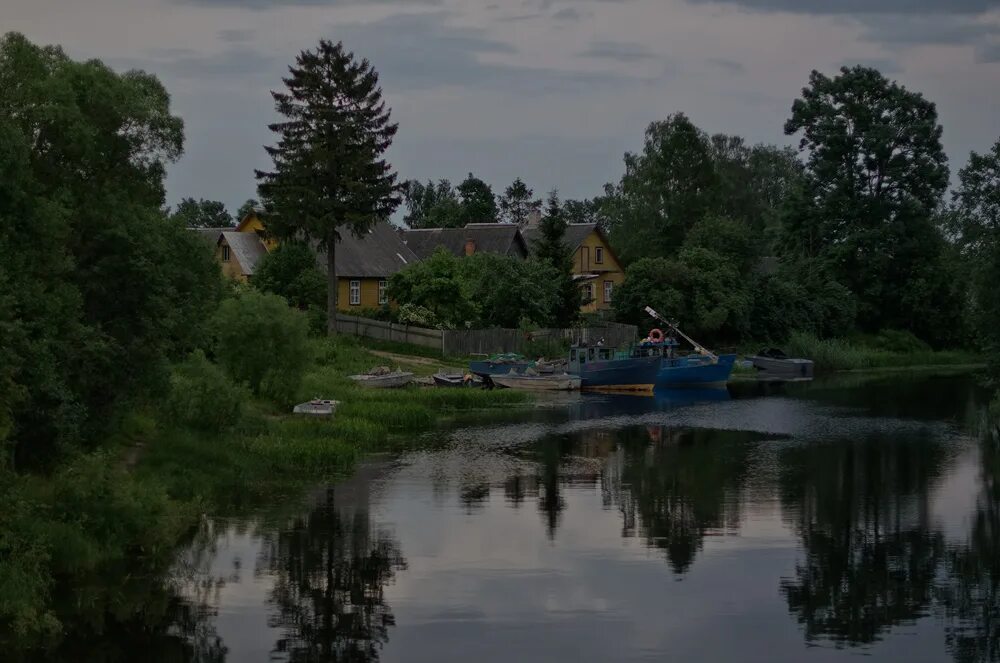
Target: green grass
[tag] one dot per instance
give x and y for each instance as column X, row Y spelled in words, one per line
column 858, row 354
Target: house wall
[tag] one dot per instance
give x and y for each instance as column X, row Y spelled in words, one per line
column 369, row 294
column 610, row 270
column 252, row 224
column 230, row 268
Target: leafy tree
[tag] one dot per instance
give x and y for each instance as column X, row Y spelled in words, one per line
column 246, row 209
column 699, row 289
column 262, row 342
column 203, row 397
column 731, row 239
column 330, row 175
column 582, row 211
column 478, row 202
column 202, row 214
column 431, row 205
column 434, row 284
column 665, row 189
column 552, row 250
column 290, row 270
column 98, row 290
column 874, row 177
column 517, row 203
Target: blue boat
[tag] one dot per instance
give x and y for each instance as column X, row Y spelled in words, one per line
column 702, row 368
column 605, row 369
column 692, row 370
column 500, row 365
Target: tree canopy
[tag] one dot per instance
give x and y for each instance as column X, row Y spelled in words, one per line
column 330, row 173
column 202, row 213
column 518, row 202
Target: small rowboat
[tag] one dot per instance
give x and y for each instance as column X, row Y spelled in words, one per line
column 775, row 363
column 316, row 408
column 457, row 380
column 561, row 382
column 392, row 380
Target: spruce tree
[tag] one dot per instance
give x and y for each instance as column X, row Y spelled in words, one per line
column 330, row 175
column 517, row 203
column 552, row 250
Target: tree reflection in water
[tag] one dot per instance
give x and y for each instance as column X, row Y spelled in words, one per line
column 862, row 510
column 675, row 486
column 971, row 598
column 331, row 568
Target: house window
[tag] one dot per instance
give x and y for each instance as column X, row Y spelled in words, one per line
column 588, row 293
column 225, row 253
column 383, row 297
column 609, row 287
column 355, row 293
column 599, row 255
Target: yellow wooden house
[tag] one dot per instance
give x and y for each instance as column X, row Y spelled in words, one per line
column 595, row 266
column 364, row 264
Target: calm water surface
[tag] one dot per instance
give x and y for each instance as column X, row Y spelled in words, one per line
column 800, row 522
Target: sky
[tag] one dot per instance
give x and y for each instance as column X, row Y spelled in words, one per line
column 552, row 91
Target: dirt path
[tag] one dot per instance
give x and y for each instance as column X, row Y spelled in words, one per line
column 407, row 359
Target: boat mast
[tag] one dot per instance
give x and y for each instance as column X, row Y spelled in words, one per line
column 697, row 347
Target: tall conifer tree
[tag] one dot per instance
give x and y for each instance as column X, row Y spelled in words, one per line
column 330, row 175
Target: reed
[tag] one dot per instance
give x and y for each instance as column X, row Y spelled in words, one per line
column 843, row 354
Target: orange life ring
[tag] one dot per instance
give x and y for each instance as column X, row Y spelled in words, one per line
column 656, row 336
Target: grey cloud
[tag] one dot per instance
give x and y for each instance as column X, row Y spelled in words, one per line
column 732, row 66
column 236, row 36
column 188, row 64
column 278, row 4
column 913, row 30
column 863, row 6
column 618, row 50
column 567, row 14
column 420, row 52
column 884, row 65
column 988, row 53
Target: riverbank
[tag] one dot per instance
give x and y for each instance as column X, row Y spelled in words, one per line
column 883, row 351
column 86, row 548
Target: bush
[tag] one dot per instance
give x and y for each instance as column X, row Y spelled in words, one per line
column 897, row 340
column 262, row 342
column 203, row 397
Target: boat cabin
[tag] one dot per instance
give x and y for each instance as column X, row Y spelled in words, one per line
column 667, row 348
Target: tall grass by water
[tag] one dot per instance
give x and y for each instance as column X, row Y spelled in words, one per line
column 886, row 350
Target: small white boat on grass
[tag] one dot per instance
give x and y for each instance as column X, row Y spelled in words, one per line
column 317, row 407
column 383, row 378
column 549, row 382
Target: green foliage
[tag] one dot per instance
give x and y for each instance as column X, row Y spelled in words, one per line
column 518, row 202
column 332, row 140
column 732, row 239
column 262, row 342
column 479, row 205
column 203, row 397
column 434, row 285
column 551, row 250
column 201, row 213
column 246, row 208
column 432, row 205
column 857, row 354
column 290, row 271
column 98, row 291
column 875, row 175
column 699, row 289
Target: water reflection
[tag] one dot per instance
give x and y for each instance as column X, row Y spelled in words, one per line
column 672, row 487
column 330, row 570
column 862, row 510
column 805, row 516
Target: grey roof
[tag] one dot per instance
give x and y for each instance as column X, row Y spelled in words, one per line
column 499, row 238
column 210, row 235
column 575, row 234
column 380, row 252
column 246, row 248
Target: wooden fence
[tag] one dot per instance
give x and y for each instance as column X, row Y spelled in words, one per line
column 465, row 342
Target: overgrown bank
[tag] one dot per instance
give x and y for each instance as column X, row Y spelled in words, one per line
column 88, row 548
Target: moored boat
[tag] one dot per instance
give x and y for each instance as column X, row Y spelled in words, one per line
column 383, row 378
column 702, row 368
column 548, row 382
column 501, row 364
column 317, row 407
column 772, row 362
column 457, row 380
column 601, row 368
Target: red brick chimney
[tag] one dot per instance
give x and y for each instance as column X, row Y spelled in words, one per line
column 470, row 246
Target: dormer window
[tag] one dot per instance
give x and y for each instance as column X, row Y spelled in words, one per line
column 225, row 253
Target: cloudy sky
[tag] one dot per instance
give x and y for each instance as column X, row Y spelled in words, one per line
column 553, row 91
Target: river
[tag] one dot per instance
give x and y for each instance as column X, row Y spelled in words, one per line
column 798, row 522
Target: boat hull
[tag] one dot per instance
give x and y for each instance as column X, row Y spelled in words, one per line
column 795, row 368
column 390, row 381
column 695, row 371
column 637, row 374
column 486, row 368
column 538, row 383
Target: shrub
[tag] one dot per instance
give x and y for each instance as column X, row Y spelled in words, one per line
column 203, row 397
column 259, row 340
